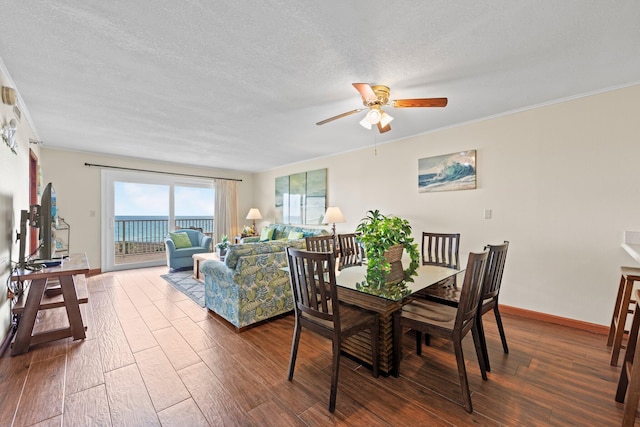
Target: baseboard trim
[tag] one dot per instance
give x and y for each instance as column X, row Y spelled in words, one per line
column 557, row 320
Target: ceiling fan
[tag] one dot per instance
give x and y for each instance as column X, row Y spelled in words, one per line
column 374, row 97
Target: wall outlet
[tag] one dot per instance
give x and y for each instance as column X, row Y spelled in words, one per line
column 488, row 214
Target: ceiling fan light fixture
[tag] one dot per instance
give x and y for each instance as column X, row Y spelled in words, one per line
column 373, row 116
column 385, row 119
column 365, row 123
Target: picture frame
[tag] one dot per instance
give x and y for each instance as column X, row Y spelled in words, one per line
column 301, row 198
column 448, row 172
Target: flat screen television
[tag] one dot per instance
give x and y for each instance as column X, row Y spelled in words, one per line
column 43, row 217
column 48, row 223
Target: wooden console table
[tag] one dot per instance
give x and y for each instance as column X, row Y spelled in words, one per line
column 60, row 286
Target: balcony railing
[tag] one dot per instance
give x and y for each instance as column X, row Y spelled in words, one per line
column 146, row 236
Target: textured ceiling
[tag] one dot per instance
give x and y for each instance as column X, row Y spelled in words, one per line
column 240, row 85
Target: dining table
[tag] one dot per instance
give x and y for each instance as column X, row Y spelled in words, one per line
column 353, row 289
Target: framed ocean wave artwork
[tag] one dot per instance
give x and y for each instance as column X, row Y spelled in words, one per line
column 449, row 172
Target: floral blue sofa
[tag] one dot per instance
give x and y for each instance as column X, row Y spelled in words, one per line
column 250, row 285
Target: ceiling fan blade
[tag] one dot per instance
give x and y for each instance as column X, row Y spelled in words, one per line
column 339, row 116
column 387, row 128
column 366, row 91
column 419, row 102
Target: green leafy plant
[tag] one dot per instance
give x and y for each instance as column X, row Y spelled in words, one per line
column 378, row 233
column 224, row 243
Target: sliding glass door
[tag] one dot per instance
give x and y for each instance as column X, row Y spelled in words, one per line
column 139, row 209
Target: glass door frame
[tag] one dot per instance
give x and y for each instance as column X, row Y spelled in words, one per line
column 108, row 180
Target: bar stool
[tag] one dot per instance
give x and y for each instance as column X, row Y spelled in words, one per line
column 629, row 383
column 623, row 306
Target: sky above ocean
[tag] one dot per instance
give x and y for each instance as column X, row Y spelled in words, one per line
column 135, row 199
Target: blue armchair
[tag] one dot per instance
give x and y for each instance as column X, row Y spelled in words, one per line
column 183, row 257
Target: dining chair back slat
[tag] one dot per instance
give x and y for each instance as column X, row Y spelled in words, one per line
column 350, row 250
column 320, row 244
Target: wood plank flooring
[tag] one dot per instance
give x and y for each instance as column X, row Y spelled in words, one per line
column 153, row 357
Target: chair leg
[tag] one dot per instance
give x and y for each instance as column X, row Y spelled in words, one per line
column 427, row 342
column 633, row 396
column 294, row 348
column 629, row 383
column 335, row 368
column 616, row 312
column 483, row 342
column 503, row 337
column 462, row 375
column 621, row 322
column 478, row 341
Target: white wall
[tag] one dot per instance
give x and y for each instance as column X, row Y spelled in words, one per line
column 78, row 192
column 561, row 181
column 14, row 195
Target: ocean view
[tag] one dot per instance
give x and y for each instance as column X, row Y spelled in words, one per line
column 154, row 228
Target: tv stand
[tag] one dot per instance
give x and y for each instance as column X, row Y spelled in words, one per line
column 51, row 287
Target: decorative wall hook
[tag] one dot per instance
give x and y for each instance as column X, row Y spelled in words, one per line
column 8, row 135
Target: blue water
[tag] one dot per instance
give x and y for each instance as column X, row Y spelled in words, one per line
column 451, row 177
column 154, row 228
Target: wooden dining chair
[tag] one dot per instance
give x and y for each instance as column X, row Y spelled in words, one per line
column 448, row 322
column 441, row 249
column 350, row 250
column 325, row 243
column 444, row 294
column 317, row 308
column 629, row 382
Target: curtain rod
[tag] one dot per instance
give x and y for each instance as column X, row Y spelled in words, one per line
column 160, row 172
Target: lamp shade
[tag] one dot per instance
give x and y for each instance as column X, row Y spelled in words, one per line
column 333, row 215
column 254, row 213
column 385, row 119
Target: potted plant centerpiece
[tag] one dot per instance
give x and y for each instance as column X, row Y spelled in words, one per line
column 221, row 247
column 384, row 239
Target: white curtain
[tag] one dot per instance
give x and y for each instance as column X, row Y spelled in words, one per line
column 226, row 209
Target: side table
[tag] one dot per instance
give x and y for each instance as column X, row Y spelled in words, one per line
column 197, row 259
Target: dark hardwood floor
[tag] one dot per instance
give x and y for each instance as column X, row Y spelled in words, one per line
column 154, row 357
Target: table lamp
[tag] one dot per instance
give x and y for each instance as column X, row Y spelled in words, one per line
column 332, row 216
column 254, row 213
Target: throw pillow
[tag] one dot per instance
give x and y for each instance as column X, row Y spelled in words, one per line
column 295, row 235
column 181, row 240
column 266, row 234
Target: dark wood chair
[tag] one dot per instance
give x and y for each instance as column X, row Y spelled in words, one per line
column 350, row 250
column 448, row 322
column 450, row 295
column 441, row 249
column 629, row 383
column 317, row 308
column 321, row 244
